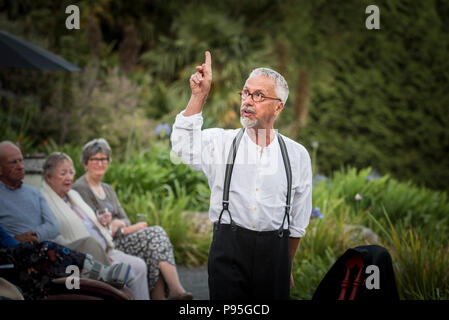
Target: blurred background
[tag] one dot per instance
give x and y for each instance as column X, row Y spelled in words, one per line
column 371, row 106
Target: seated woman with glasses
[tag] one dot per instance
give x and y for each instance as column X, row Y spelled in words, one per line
column 149, row 243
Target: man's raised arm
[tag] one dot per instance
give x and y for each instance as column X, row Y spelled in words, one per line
column 187, row 138
column 200, row 83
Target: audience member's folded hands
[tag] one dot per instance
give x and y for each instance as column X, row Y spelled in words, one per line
column 29, row 236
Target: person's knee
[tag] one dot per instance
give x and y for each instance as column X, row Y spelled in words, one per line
column 163, row 234
column 139, row 266
column 138, row 270
column 91, row 242
column 160, row 230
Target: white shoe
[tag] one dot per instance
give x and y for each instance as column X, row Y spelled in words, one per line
column 116, row 274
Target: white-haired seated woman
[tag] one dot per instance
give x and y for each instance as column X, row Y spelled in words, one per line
column 77, row 220
column 151, row 243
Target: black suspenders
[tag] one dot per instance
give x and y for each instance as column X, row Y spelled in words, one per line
column 230, row 165
column 288, row 171
column 228, row 174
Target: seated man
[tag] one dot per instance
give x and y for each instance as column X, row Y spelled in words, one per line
column 24, row 212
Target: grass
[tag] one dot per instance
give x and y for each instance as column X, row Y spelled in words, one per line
column 420, row 261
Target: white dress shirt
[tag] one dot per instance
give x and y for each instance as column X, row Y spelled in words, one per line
column 258, row 187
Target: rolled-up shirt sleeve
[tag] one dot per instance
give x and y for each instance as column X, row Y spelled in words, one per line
column 49, row 228
column 301, row 206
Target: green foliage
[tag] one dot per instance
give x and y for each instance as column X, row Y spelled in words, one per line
column 405, row 203
column 153, row 171
column 369, row 97
column 16, row 129
column 420, row 261
column 308, row 273
column 384, row 102
column 410, row 222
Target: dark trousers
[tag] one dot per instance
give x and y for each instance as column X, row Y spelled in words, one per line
column 245, row 264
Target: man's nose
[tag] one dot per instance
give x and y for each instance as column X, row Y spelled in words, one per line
column 248, row 101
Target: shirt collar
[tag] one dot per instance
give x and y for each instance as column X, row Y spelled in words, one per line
column 272, row 143
column 3, row 185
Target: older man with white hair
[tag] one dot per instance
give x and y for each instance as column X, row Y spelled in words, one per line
column 261, row 213
column 24, row 212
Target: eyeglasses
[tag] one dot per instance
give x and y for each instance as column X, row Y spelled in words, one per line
column 257, row 96
column 98, row 160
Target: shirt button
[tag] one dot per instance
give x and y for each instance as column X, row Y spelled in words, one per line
column 257, row 189
column 255, row 208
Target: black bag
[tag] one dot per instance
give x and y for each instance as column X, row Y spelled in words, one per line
column 346, row 279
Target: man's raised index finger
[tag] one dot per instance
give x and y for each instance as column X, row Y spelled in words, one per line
column 208, row 61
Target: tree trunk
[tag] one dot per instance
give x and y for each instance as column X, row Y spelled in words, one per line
column 300, row 103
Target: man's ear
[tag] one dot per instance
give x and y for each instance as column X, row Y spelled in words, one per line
column 279, row 108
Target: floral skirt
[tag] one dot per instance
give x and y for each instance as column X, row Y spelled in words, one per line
column 152, row 245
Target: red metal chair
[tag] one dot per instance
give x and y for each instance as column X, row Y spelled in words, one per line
column 348, row 276
column 351, row 263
